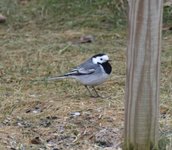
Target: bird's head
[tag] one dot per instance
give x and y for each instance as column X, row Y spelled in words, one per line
column 100, row 58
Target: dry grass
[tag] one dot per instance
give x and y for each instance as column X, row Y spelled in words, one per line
column 29, row 104
column 36, row 114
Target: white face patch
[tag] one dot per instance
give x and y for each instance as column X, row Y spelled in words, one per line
column 100, row 59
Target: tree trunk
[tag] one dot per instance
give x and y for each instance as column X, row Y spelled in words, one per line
column 143, row 74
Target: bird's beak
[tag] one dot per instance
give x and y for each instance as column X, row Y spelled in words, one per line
column 110, row 60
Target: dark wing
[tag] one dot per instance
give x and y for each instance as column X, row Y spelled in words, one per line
column 80, row 71
column 85, row 68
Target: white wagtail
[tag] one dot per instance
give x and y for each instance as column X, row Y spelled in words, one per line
column 92, row 72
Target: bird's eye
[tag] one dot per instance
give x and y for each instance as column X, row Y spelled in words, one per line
column 101, row 58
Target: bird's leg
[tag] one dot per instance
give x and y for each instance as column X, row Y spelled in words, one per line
column 97, row 94
column 88, row 90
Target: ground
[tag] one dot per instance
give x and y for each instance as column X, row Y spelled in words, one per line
column 36, row 114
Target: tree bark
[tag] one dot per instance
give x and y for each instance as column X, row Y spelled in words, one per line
column 143, row 75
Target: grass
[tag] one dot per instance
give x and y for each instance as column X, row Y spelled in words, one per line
column 36, row 42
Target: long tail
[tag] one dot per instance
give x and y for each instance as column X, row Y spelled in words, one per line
column 71, row 74
column 68, row 75
column 56, row 78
